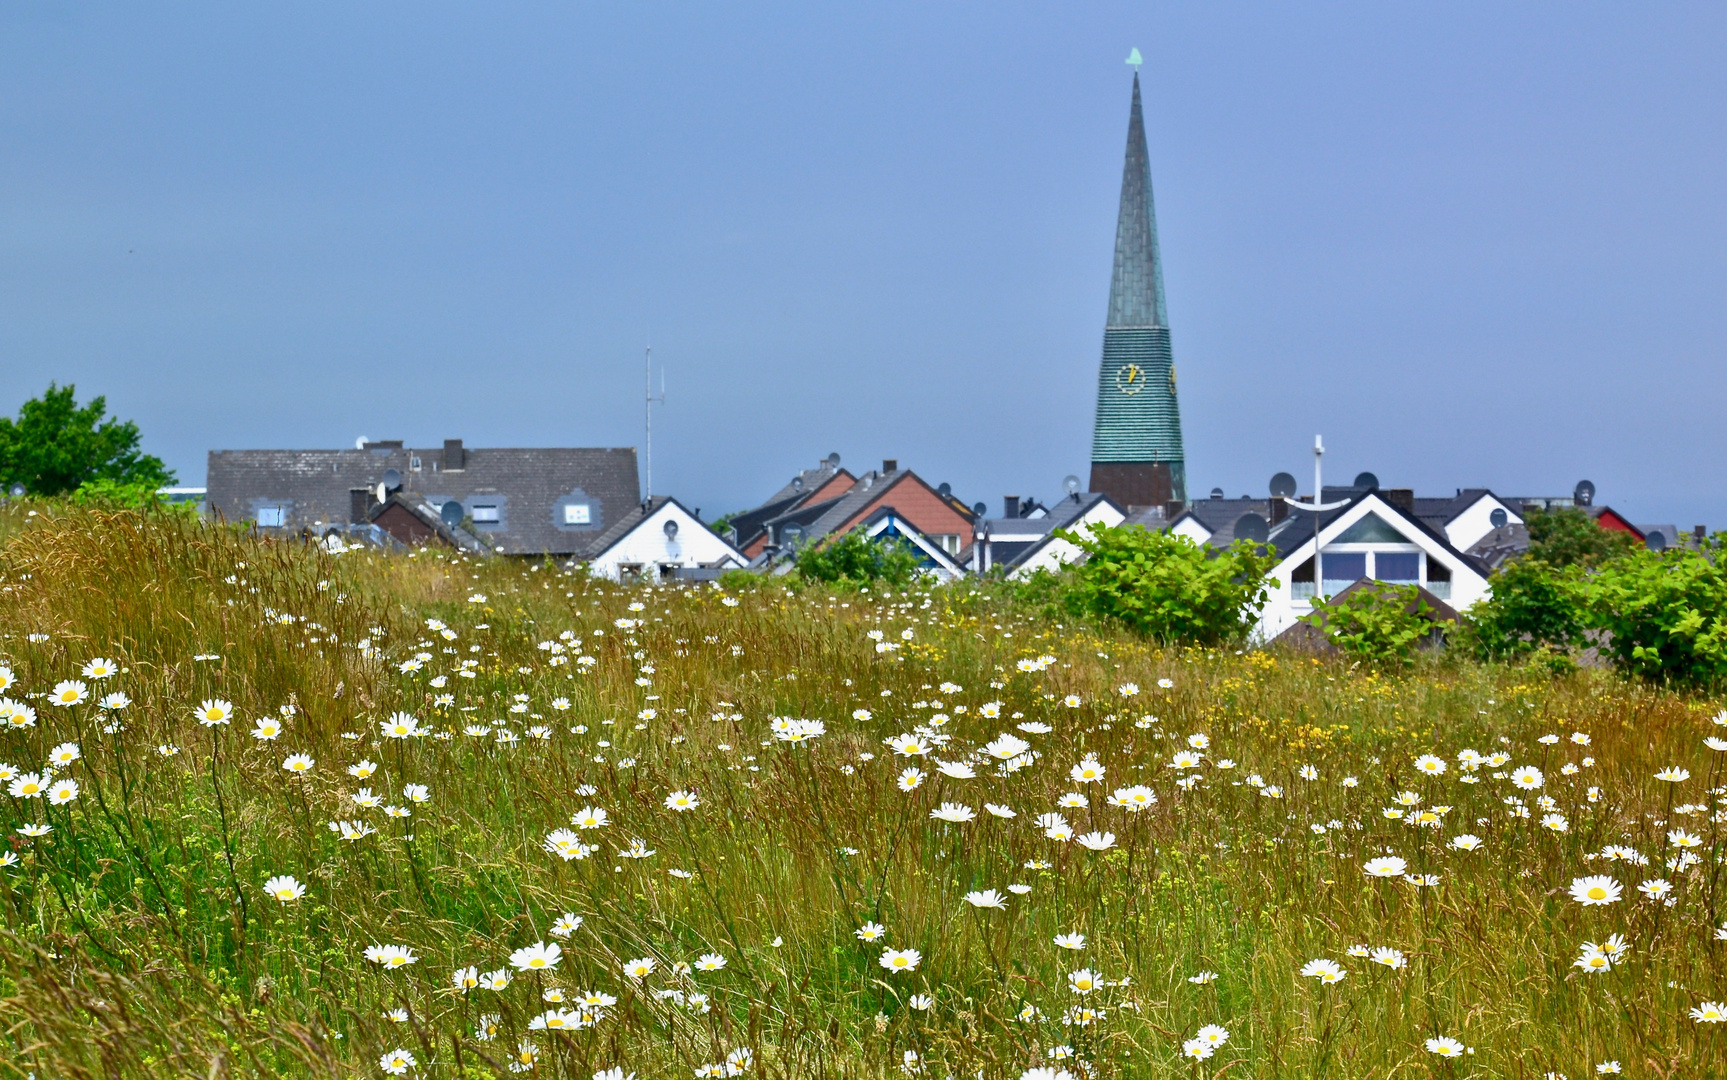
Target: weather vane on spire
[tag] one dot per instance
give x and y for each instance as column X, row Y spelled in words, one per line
column 1134, row 58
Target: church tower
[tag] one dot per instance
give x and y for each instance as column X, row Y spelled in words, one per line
column 1136, row 454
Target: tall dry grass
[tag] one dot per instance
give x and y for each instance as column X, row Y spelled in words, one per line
column 139, row 940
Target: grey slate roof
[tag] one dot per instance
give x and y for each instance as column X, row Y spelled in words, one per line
column 1500, row 545
column 1031, row 535
column 1057, row 515
column 529, row 487
column 749, row 524
column 842, row 509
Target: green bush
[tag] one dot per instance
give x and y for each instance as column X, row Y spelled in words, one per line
column 1570, row 537
column 1166, row 586
column 1663, row 615
column 858, row 559
column 1534, row 606
column 1381, row 623
column 120, row 495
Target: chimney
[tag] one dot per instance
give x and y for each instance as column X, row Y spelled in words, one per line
column 1172, row 509
column 1402, row 498
column 1279, row 511
column 359, row 505
column 1010, row 506
column 889, row 465
column 1699, row 533
column 455, row 458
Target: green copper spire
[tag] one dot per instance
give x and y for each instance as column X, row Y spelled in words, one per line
column 1136, row 287
column 1136, row 449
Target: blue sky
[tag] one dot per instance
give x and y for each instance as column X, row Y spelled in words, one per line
column 1472, row 244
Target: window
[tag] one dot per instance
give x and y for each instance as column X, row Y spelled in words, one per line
column 271, row 517
column 576, row 514
column 1371, row 529
column 485, row 514
column 629, row 573
column 949, row 542
column 1342, row 569
column 1439, row 579
column 1402, row 566
column 414, row 464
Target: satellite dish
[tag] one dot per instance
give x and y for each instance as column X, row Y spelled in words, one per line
column 452, row 513
column 381, row 493
column 1584, row 493
column 833, row 459
column 791, row 534
column 1217, row 493
column 17, row 490
column 944, row 490
column 1366, row 481
column 1498, row 518
column 360, row 443
column 1282, row 486
column 979, row 509
column 671, row 531
column 797, row 483
column 392, row 479
column 1070, row 484
column 1252, row 527
column 1656, row 540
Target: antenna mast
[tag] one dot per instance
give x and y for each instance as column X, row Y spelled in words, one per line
column 648, row 416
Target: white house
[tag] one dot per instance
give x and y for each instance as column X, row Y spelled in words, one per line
column 1467, row 516
column 1025, row 545
column 660, row 540
column 1368, row 538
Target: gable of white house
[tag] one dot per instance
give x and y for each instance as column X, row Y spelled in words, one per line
column 1192, row 528
column 1476, row 521
column 1055, row 552
column 647, row 553
column 935, row 559
column 1368, row 540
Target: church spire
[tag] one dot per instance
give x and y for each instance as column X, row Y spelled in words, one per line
column 1136, row 287
column 1136, row 448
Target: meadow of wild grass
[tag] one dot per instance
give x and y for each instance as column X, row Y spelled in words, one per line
column 273, row 811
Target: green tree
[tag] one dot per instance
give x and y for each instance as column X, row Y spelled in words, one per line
column 55, row 446
column 1570, row 537
column 1166, row 586
column 1664, row 614
column 854, row 558
column 1379, row 623
column 1534, row 605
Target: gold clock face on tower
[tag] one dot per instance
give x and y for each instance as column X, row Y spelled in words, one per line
column 1130, row 379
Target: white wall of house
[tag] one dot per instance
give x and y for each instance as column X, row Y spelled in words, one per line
column 1474, row 523
column 1191, row 528
column 1283, row 608
column 1056, row 552
column 644, row 550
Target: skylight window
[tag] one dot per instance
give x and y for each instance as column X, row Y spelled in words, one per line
column 485, row 514
column 577, row 514
column 271, row 517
